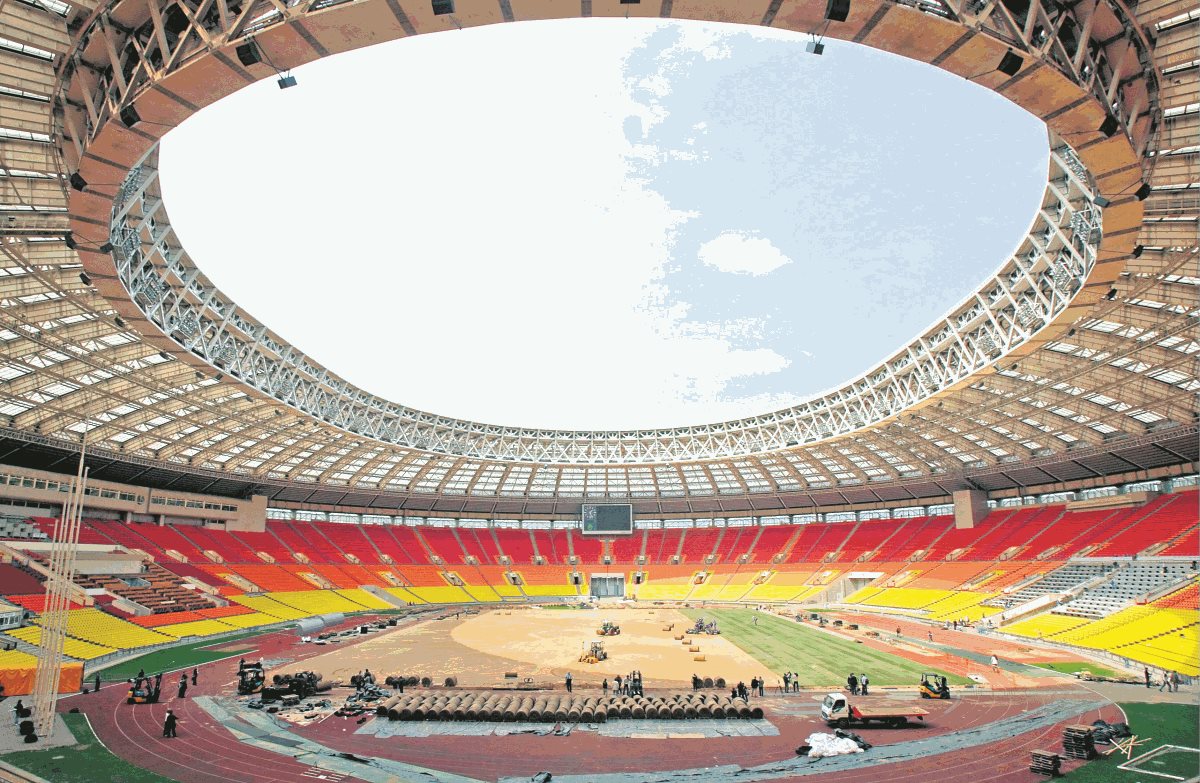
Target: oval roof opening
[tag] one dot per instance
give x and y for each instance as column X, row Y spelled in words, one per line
column 604, row 223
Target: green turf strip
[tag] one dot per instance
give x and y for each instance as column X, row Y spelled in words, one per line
column 185, row 656
column 1161, row 724
column 820, row 659
column 86, row 762
column 1070, row 667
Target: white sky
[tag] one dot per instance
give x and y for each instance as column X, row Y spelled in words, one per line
column 603, row 223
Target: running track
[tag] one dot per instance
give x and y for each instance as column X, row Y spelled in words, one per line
column 205, row 751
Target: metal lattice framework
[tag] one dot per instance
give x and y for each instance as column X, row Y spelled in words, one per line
column 1086, row 336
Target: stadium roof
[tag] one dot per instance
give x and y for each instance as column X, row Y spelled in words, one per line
column 1083, row 345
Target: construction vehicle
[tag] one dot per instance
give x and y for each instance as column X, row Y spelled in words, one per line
column 250, row 678
column 837, row 711
column 142, row 691
column 594, row 654
column 608, row 628
column 933, row 686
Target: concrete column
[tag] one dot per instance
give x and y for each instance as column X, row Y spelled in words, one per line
column 252, row 515
column 970, row 506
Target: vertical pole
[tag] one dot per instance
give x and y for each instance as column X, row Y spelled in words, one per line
column 57, row 607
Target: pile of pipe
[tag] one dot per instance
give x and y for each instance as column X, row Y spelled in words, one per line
column 557, row 707
column 302, row 684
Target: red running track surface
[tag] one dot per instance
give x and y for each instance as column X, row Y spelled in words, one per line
column 205, row 751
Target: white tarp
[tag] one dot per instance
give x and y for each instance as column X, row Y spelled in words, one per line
column 828, row 745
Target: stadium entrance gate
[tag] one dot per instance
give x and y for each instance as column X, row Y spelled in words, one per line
column 607, row 585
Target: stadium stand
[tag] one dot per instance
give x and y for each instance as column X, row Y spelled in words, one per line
column 771, row 542
column 699, row 543
column 444, row 543
column 517, row 545
column 627, row 549
column 587, row 549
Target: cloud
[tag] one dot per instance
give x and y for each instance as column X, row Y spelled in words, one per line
column 740, row 254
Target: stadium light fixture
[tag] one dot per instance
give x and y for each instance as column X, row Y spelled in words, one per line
column 286, row 80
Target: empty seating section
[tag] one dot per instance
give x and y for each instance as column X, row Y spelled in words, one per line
column 444, row 544
column 126, row 536
column 698, row 543
column 1162, row 519
column 947, row 576
column 868, row 537
column 1123, row 586
column 551, row 545
column 627, row 549
column 264, row 576
column 1060, row 538
column 18, row 581
column 408, row 545
column 1045, row 625
column 265, row 543
column 88, row 533
column 270, row 607
column 351, row 539
column 810, row 536
column 229, row 548
column 918, row 534
column 711, row 587
column 74, row 648
column 781, row 586
column 588, row 549
column 365, row 599
column 490, row 576
column 381, row 536
column 473, row 541
column 97, row 627
column 911, row 557
column 318, row 601
column 292, row 541
column 421, row 575
column 771, row 542
column 515, row 544
column 169, row 537
column 327, row 550
column 737, row 542
column 1058, row 581
column 955, row 539
column 1014, row 531
column 21, row 528
column 35, row 602
column 326, row 572
column 1187, row 545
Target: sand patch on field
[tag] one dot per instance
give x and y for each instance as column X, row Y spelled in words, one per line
column 553, row 640
column 536, row 643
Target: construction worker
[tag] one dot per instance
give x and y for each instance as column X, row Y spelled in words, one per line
column 169, row 725
column 568, row 682
column 195, row 673
column 183, row 686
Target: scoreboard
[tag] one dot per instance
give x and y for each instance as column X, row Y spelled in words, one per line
column 607, row 519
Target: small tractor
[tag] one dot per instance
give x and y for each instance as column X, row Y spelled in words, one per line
column 608, row 628
column 250, row 678
column 933, row 686
column 142, row 691
column 594, row 654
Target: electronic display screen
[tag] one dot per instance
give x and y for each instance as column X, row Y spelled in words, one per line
column 607, row 519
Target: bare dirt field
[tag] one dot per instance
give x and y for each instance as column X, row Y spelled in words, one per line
column 540, row 644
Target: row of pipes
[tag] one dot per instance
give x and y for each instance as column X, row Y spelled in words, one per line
column 501, row 706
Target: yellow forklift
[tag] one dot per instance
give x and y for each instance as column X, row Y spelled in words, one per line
column 933, row 686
